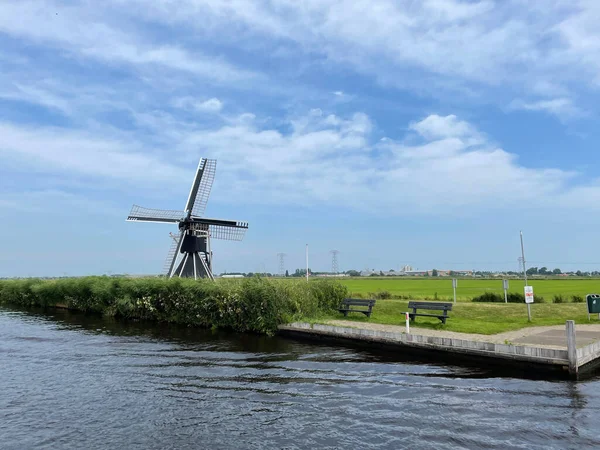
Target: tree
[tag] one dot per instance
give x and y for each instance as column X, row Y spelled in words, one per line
column 434, row 273
column 287, row 274
column 556, row 271
column 543, row 271
column 579, row 273
column 532, row 271
column 353, row 273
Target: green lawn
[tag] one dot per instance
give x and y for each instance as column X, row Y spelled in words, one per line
column 426, row 288
column 482, row 318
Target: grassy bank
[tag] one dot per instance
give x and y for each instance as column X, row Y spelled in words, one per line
column 254, row 304
column 481, row 318
column 430, row 288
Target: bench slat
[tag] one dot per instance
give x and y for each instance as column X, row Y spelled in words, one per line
column 430, row 305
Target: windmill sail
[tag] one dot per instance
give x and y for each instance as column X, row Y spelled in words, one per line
column 141, row 214
column 173, row 254
column 198, row 198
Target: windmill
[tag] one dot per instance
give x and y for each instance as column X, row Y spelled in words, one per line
column 190, row 254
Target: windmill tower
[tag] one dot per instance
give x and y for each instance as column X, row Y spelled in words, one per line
column 190, row 254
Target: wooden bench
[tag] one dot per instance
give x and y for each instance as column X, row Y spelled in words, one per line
column 347, row 303
column 435, row 306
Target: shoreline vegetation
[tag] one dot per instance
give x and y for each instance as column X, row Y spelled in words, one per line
column 252, row 305
column 260, row 305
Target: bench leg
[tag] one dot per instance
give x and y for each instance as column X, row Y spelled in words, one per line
column 345, row 313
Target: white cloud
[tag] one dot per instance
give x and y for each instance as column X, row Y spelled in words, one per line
column 212, row 105
column 435, row 127
column 333, row 160
column 82, row 154
column 86, row 33
column 560, row 107
column 434, row 46
column 321, row 159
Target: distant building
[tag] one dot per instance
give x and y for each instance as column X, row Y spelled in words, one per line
column 332, row 275
column 232, row 276
column 416, row 273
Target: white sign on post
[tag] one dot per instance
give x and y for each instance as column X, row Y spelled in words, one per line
column 528, row 294
column 505, row 284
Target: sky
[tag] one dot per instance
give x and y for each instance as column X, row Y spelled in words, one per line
column 426, row 133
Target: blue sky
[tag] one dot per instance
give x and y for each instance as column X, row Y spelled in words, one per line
column 397, row 132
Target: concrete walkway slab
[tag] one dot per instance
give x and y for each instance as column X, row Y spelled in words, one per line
column 557, row 338
column 546, row 336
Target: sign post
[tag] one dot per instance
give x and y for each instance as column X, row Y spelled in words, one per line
column 529, row 300
column 407, row 323
column 505, row 286
column 454, row 285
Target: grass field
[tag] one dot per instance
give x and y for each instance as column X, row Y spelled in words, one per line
column 427, row 288
column 481, row 318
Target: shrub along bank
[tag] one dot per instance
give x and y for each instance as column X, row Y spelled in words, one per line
column 254, row 304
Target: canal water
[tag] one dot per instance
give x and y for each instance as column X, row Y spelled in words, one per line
column 69, row 381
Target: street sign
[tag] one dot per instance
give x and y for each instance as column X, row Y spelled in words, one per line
column 528, row 294
column 505, row 284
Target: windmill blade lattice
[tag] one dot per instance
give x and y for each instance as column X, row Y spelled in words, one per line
column 201, row 187
column 141, row 214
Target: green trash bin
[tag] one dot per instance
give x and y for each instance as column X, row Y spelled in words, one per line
column 593, row 304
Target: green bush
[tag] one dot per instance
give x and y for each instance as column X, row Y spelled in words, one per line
column 516, row 297
column 511, row 297
column 381, row 295
column 559, row 298
column 253, row 304
column 489, row 297
column 577, row 299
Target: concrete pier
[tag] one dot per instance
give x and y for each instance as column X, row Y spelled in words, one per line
column 569, row 361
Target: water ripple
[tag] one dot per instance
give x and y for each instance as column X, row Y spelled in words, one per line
column 70, row 381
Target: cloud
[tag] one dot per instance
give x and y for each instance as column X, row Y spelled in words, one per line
column 432, row 47
column 332, row 160
column 88, row 34
column 435, row 127
column 80, row 154
column 212, row 105
column 560, row 107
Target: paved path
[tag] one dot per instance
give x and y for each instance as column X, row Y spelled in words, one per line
column 550, row 336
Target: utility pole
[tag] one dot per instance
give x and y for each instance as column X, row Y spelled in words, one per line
column 525, row 274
